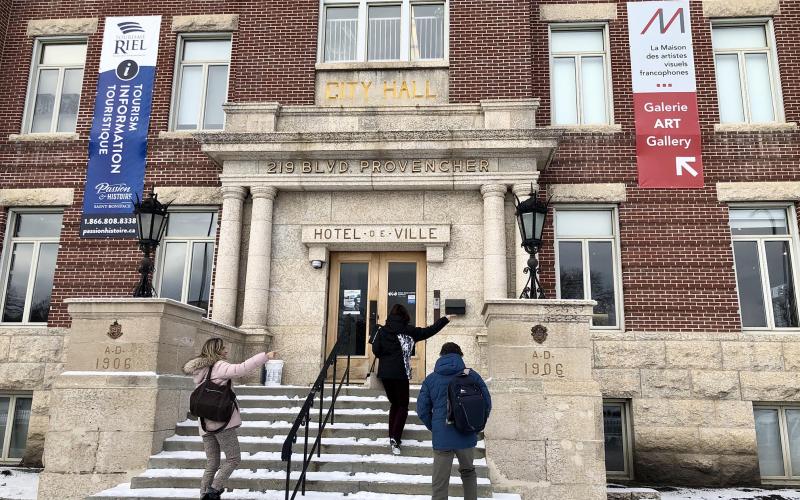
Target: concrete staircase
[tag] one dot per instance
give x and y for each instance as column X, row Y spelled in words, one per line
column 356, row 461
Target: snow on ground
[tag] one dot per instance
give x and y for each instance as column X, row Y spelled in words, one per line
column 18, row 484
column 729, row 494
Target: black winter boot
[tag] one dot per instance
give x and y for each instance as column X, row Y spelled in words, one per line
column 213, row 494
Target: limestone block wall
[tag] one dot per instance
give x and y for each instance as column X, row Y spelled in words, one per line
column 30, row 360
column 692, row 398
column 298, row 293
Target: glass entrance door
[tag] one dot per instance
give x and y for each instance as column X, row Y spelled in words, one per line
column 363, row 288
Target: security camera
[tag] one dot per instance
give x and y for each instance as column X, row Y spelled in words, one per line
column 317, row 264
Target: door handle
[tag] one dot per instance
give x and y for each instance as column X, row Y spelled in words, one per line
column 373, row 319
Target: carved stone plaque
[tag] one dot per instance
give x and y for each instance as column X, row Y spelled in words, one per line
column 539, row 333
column 115, row 330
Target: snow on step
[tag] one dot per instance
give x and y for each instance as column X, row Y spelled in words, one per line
column 407, row 443
column 326, row 457
column 296, row 409
column 282, row 424
column 365, row 399
column 373, row 477
column 124, row 490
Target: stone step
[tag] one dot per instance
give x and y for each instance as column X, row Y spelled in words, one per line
column 326, row 463
column 351, row 446
column 345, row 415
column 341, row 482
column 370, row 402
column 337, row 430
column 124, row 492
column 355, row 389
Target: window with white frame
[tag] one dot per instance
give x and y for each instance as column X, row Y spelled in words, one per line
column 747, row 77
column 778, row 440
column 586, row 260
column 763, row 251
column 55, row 85
column 617, row 436
column 29, row 265
column 383, row 30
column 186, row 257
column 580, row 76
column 15, row 414
column 201, row 82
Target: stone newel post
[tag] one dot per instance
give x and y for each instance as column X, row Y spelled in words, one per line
column 123, row 390
column 544, row 439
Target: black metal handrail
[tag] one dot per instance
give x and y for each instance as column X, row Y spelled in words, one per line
column 304, row 417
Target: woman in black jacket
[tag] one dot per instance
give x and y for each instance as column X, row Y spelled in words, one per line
column 393, row 345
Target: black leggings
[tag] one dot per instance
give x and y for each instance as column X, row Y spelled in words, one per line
column 397, row 392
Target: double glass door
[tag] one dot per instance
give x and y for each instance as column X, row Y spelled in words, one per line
column 363, row 289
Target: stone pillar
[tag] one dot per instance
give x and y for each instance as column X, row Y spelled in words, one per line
column 256, row 291
column 226, row 273
column 122, row 391
column 544, row 439
column 520, row 255
column 495, row 276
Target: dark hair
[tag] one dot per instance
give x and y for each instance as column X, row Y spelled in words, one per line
column 400, row 310
column 451, row 348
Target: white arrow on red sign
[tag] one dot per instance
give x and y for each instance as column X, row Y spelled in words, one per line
column 682, row 163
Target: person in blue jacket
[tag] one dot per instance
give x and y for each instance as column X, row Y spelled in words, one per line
column 447, row 440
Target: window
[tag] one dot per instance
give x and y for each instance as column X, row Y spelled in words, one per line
column 778, row 439
column 383, row 30
column 186, row 257
column 763, row 253
column 15, row 413
column 201, row 83
column 580, row 75
column 29, row 266
column 586, row 260
column 617, row 435
column 747, row 77
column 55, row 86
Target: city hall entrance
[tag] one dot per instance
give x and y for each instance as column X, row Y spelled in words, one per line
column 363, row 288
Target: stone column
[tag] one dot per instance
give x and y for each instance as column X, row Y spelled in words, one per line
column 256, row 291
column 495, row 277
column 226, row 282
column 520, row 255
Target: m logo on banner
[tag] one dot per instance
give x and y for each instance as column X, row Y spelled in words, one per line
column 660, row 16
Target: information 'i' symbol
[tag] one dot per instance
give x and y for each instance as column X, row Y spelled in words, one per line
column 127, row 69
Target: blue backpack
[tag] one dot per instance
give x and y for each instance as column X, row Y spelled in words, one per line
column 466, row 406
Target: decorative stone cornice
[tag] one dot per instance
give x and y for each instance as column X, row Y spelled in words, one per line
column 267, row 192
column 62, row 27
column 210, row 22
column 524, row 189
column 758, row 191
column 580, row 12
column 741, row 8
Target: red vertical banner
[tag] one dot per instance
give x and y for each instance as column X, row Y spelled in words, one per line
column 668, row 143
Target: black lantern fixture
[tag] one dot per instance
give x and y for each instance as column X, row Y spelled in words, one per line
column 151, row 221
column 531, row 214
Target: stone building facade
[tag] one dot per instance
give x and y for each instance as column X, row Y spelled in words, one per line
column 394, row 178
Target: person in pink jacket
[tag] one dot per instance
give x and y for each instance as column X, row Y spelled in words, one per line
column 213, row 356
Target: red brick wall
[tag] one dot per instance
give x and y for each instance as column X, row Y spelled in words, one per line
column 274, row 51
column 677, row 260
column 490, row 49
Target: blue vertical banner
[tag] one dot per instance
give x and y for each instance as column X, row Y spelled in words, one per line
column 118, row 139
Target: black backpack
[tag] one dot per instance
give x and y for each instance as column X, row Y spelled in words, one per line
column 466, row 406
column 210, row 401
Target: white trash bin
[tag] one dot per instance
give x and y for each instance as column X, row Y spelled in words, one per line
column 273, row 372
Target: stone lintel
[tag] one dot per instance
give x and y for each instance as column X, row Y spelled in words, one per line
column 62, row 27
column 209, row 22
column 182, row 195
column 758, row 191
column 587, row 193
column 741, row 8
column 580, row 12
column 764, row 128
column 44, row 137
column 42, row 197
